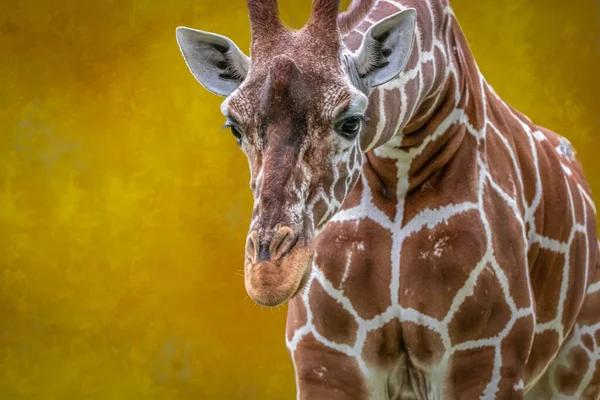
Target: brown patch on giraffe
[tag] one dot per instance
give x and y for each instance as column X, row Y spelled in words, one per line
column 588, row 341
column 545, row 345
column 518, row 139
column 367, row 270
column 578, row 204
column 383, row 10
column 497, row 114
column 439, row 260
column 413, row 132
column 546, row 276
column 462, row 382
column 589, row 315
column 435, row 156
column 440, row 72
column 532, row 255
column 371, row 120
column 425, row 24
column 382, row 184
column 594, row 248
column 353, row 40
column 515, row 350
column 424, row 346
column 592, row 392
column 392, row 101
column 382, row 347
column 364, row 26
column 332, row 251
column 428, row 72
column 555, row 199
column 409, row 104
column 363, row 277
column 474, row 109
column 501, row 167
column 325, row 373
column 296, row 316
column 451, row 184
column 483, row 314
column 577, row 280
column 332, row 320
column 354, row 196
column 508, row 243
column 567, row 378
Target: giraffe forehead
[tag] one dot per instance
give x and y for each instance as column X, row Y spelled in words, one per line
column 310, row 49
column 296, row 96
column 302, row 70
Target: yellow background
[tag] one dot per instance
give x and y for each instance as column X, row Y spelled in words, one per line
column 124, row 207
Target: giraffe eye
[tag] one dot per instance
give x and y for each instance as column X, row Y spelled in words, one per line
column 350, row 127
column 236, row 133
column 234, row 130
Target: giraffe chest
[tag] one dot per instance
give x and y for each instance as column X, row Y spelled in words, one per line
column 399, row 287
column 376, row 287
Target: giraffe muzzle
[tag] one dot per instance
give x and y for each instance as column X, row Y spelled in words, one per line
column 279, row 245
column 276, row 267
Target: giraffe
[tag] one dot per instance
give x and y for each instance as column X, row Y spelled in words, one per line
column 431, row 241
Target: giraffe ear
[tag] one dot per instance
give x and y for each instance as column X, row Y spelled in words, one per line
column 385, row 49
column 216, row 62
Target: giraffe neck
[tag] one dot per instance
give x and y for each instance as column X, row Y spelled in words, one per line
column 418, row 117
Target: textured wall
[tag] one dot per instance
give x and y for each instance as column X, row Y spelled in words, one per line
column 123, row 206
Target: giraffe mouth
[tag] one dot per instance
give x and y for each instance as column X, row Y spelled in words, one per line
column 272, row 283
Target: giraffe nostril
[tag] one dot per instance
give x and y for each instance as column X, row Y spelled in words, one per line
column 252, row 247
column 282, row 242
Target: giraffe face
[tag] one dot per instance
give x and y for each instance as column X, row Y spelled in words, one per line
column 298, row 124
column 295, row 110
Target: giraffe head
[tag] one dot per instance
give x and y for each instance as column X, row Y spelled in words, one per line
column 295, row 110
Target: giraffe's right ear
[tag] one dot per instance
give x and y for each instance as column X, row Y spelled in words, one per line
column 216, row 62
column 385, row 49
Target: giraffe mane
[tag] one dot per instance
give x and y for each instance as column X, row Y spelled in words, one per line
column 357, row 10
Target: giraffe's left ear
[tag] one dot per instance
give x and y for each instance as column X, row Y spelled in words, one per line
column 385, row 49
column 216, row 62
